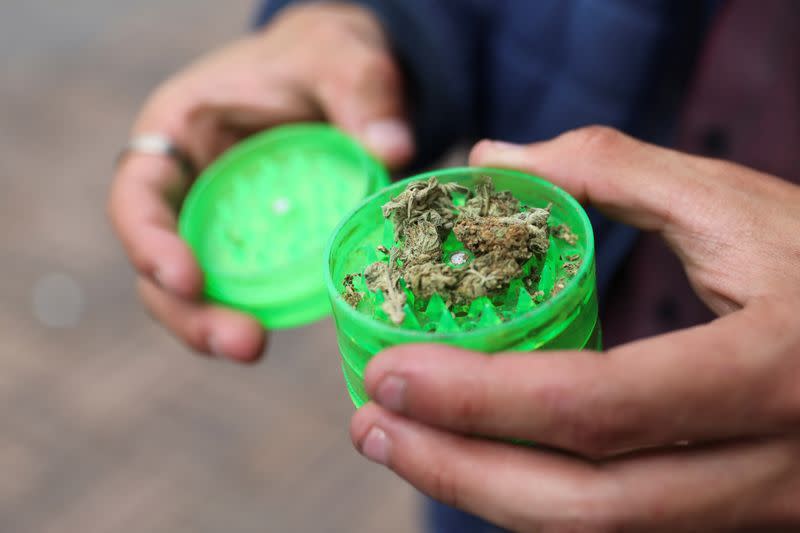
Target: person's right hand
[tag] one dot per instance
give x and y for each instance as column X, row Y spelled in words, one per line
column 323, row 61
column 693, row 430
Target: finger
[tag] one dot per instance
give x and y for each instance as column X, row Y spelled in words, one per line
column 142, row 208
column 706, row 210
column 205, row 327
column 525, row 489
column 621, row 176
column 698, row 384
column 485, row 478
column 366, row 99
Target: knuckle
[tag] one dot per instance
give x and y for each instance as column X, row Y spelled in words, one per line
column 467, row 411
column 331, row 88
column 141, row 262
column 370, row 70
column 194, row 335
column 470, row 408
column 370, row 79
column 594, row 504
column 191, row 329
column 584, row 419
column 442, row 486
column 377, row 65
column 596, row 139
column 602, row 432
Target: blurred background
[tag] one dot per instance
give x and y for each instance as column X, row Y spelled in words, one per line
column 106, row 423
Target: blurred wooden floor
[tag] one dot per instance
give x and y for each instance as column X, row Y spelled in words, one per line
column 107, row 424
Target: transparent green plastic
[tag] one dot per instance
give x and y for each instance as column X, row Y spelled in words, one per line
column 258, row 219
column 514, row 321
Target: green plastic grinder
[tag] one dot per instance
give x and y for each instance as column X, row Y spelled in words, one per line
column 259, row 219
column 512, row 322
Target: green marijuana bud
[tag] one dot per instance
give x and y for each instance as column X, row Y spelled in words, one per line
column 422, row 244
column 488, row 202
column 488, row 274
column 430, row 201
column 520, row 236
column 384, row 277
column 498, row 234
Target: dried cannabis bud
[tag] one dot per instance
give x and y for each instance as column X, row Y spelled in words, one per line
column 519, row 236
column 500, row 233
column 427, row 279
column 424, row 200
column 384, row 277
column 488, row 202
column 488, row 274
column 422, row 244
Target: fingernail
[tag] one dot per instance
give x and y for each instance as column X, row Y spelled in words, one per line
column 387, row 136
column 376, row 446
column 493, row 152
column 391, row 393
column 505, row 146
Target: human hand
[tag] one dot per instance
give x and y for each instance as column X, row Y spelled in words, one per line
column 726, row 391
column 321, row 61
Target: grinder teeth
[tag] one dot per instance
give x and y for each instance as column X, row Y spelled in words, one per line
column 433, row 316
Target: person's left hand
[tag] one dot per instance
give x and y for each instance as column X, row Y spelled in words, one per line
column 697, row 430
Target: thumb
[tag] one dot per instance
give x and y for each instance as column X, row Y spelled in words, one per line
column 631, row 181
column 371, row 107
column 731, row 226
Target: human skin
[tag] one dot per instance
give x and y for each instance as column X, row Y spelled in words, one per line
column 275, row 76
column 728, row 391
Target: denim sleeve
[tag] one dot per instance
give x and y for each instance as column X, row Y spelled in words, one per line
column 435, row 43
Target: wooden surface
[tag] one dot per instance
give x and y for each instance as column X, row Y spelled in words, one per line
column 106, row 423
